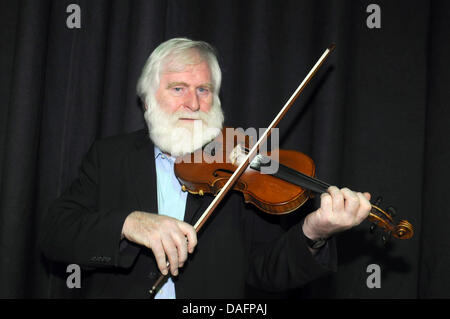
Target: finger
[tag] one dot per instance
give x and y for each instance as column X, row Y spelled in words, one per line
column 181, row 244
column 337, row 199
column 367, row 195
column 326, row 202
column 351, row 201
column 191, row 235
column 172, row 253
column 364, row 207
column 160, row 256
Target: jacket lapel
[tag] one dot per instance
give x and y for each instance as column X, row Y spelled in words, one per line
column 141, row 164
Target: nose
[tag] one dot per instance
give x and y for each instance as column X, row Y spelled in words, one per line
column 192, row 101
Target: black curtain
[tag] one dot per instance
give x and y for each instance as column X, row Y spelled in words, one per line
column 375, row 117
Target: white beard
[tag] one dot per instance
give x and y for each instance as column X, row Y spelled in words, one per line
column 178, row 138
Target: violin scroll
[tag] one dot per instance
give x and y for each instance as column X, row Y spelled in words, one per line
column 384, row 219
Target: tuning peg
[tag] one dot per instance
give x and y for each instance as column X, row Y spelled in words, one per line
column 378, row 200
column 372, row 228
column 391, row 211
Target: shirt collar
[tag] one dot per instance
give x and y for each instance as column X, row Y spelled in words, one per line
column 159, row 153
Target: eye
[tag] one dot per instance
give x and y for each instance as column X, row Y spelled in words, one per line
column 203, row 90
column 177, row 90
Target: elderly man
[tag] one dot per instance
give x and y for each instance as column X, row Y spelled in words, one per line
column 125, row 219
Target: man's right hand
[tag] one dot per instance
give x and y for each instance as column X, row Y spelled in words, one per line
column 165, row 236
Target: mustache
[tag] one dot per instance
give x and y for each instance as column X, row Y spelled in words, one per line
column 199, row 115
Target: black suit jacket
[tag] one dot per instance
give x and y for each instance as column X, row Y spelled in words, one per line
column 238, row 245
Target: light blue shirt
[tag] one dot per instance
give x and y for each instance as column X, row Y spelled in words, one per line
column 171, row 202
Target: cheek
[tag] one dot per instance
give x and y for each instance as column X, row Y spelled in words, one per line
column 206, row 105
column 168, row 104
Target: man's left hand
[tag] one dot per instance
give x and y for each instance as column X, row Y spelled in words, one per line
column 340, row 209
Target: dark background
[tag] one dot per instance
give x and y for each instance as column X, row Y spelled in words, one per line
column 375, row 117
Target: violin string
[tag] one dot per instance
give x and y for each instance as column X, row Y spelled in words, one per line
column 291, row 175
column 311, row 183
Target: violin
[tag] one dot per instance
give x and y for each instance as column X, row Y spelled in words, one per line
column 292, row 183
column 214, row 169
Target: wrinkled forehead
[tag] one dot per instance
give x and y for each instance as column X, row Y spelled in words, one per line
column 178, row 61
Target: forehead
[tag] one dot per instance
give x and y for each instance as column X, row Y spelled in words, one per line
column 189, row 73
column 177, row 61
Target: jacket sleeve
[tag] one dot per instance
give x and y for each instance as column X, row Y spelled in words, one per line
column 76, row 231
column 280, row 260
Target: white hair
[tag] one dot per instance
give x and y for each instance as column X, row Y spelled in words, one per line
column 177, row 53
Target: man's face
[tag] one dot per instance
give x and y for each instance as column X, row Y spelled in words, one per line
column 185, row 113
column 188, row 91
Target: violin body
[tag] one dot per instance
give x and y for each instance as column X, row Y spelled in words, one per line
column 268, row 193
